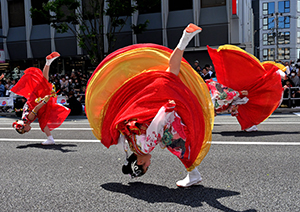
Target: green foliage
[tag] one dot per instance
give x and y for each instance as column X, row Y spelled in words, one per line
column 64, row 15
column 140, row 28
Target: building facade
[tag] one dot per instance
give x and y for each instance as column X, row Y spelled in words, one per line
column 279, row 30
column 26, row 42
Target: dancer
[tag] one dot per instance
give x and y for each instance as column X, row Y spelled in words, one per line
column 41, row 101
column 226, row 100
column 258, row 83
column 150, row 96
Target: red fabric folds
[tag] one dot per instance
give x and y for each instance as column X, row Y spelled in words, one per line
column 241, row 71
column 142, row 97
column 33, row 85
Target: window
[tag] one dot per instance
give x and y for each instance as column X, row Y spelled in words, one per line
column 284, row 22
column 16, row 13
column 265, row 39
column 38, row 4
column 212, row 3
column 298, row 22
column 268, row 23
column 283, row 38
column 271, row 23
column 269, row 54
column 265, row 8
column 298, row 37
column 268, row 8
column 120, row 9
column 149, row 6
column 284, row 6
column 298, row 5
column 89, row 8
column 268, row 39
column 283, row 53
column 265, row 23
column 178, row 5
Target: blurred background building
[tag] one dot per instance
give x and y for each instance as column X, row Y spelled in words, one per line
column 26, row 41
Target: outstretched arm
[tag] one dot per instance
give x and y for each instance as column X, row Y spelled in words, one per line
column 49, row 59
column 175, row 59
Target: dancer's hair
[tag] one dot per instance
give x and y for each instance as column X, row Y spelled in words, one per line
column 131, row 167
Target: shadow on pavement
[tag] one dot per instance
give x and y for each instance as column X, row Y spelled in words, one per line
column 50, row 147
column 193, row 196
column 252, row 134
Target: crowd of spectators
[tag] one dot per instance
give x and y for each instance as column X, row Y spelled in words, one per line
column 72, row 86
column 291, row 83
column 206, row 72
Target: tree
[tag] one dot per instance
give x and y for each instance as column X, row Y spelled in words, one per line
column 86, row 21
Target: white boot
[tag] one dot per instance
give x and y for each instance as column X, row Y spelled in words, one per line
column 251, row 129
column 192, row 178
column 49, row 141
column 189, row 32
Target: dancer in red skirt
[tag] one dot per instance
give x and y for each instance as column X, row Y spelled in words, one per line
column 41, row 101
column 146, row 95
column 249, row 89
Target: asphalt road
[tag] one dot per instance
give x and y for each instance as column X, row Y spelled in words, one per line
column 242, row 172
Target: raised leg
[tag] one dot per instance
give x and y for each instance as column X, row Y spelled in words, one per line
column 175, row 59
column 49, row 59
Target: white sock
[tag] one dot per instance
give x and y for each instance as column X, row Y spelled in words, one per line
column 186, row 38
column 50, row 138
column 48, row 62
column 191, row 178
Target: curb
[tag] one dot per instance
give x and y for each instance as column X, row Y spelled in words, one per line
column 287, row 110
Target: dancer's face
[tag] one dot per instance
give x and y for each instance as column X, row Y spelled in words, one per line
column 144, row 160
column 27, row 128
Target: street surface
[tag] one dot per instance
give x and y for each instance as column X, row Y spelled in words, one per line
column 242, row 172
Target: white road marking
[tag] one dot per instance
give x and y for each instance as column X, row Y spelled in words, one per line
column 213, row 142
column 264, row 123
column 298, row 114
column 256, row 143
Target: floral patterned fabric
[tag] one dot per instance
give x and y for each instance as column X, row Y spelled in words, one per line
column 166, row 129
column 224, row 98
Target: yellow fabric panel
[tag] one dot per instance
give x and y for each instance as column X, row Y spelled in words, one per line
column 279, row 65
